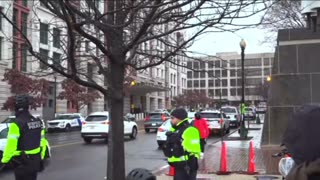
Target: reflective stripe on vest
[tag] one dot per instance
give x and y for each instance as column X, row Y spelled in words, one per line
column 177, row 159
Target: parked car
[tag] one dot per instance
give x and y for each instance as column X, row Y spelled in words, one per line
column 233, row 114
column 154, row 120
column 161, row 133
column 65, row 122
column 217, row 120
column 262, row 107
column 250, row 114
column 3, row 142
column 96, row 126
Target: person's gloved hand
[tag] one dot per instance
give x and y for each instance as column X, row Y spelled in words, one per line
column 2, row 166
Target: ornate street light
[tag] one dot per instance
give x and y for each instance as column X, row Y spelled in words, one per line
column 243, row 130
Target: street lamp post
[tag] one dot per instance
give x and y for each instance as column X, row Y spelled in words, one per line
column 243, row 130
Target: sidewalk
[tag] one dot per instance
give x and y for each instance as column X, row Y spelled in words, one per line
column 237, row 157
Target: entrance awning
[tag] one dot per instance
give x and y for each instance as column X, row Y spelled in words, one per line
column 143, row 88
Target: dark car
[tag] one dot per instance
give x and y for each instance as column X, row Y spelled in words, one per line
column 154, row 120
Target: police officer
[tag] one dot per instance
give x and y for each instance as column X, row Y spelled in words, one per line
column 23, row 149
column 183, row 146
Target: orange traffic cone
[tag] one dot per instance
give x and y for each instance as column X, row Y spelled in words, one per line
column 223, row 160
column 171, row 171
column 251, row 162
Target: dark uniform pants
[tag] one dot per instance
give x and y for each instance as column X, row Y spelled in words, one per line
column 182, row 174
column 29, row 176
column 29, row 168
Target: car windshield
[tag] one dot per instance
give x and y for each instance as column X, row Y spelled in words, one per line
column 97, row 118
column 155, row 115
column 228, row 110
column 66, row 116
column 8, row 120
column 210, row 115
column 4, row 133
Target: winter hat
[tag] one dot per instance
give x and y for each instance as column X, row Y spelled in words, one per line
column 179, row 113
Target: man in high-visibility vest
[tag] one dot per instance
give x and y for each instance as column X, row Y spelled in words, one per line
column 23, row 148
column 183, row 146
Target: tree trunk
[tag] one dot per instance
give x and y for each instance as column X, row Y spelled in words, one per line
column 116, row 159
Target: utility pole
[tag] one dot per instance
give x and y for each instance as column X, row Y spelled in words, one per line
column 243, row 130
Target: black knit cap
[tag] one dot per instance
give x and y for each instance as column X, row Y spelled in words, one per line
column 179, row 113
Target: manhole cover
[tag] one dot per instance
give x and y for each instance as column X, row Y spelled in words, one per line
column 266, row 177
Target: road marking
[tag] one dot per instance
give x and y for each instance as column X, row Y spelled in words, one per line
column 67, row 144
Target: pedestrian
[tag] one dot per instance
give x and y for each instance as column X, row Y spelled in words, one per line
column 23, row 149
column 202, row 125
column 182, row 146
column 300, row 139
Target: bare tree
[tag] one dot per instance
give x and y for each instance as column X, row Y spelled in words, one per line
column 283, row 14
column 124, row 34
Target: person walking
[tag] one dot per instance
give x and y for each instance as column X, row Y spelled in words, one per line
column 202, row 125
column 23, row 149
column 182, row 146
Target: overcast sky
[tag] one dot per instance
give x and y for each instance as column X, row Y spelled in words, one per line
column 213, row 43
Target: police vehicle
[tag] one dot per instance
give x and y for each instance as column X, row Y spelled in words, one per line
column 96, row 126
column 65, row 122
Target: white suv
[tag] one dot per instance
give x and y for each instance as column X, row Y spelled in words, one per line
column 65, row 122
column 217, row 121
column 233, row 114
column 96, row 126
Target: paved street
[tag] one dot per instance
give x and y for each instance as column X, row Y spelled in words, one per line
column 74, row 160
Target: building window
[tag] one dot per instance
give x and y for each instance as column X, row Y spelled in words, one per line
column 189, row 84
column 232, row 73
column 44, row 56
column 224, row 92
column 233, row 82
column 51, row 90
column 24, row 24
column 56, row 38
column 202, row 74
column 217, row 73
column 203, row 83
column 217, row 82
column 196, row 65
column 44, row 33
column 217, row 92
column 1, row 42
column 56, row 57
column 224, row 82
column 189, row 65
column 210, row 65
column 196, row 83
column 211, row 92
column 14, row 21
column 232, row 63
column 253, row 72
column 233, row 92
column 14, row 55
column 189, row 74
column 195, row 74
column 202, row 65
column 1, row 9
column 171, row 78
column 224, row 64
column 25, row 3
column 253, row 81
column 253, row 62
column 211, row 83
column 211, row 74
column 224, row 73
column 217, row 64
column 267, row 71
column 239, row 91
column 24, row 55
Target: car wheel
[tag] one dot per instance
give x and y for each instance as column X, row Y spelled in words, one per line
column 50, row 130
column 67, row 128
column 147, row 130
column 106, row 140
column 160, row 145
column 87, row 140
column 134, row 133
